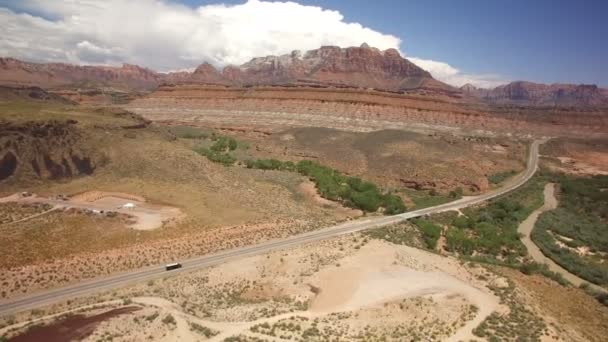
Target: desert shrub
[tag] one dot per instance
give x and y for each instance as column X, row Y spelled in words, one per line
column 458, row 241
column 169, row 319
column 393, row 204
column 367, row 201
column 463, row 222
column 400, row 234
column 270, row 164
column 216, row 157
column 224, row 144
column 456, row 193
column 333, row 185
column 430, row 232
column 491, row 230
column 202, row 330
column 500, row 177
column 581, row 218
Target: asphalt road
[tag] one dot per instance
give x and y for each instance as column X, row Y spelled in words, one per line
column 52, row 296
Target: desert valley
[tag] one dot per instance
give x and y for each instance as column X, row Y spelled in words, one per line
column 336, row 194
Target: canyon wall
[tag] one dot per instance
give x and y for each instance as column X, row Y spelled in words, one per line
column 362, row 110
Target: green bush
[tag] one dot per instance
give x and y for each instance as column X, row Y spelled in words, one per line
column 430, row 232
column 458, row 241
column 367, row 201
column 224, row 144
column 463, row 222
column 216, row 157
column 501, row 176
column 491, row 231
column 393, row 204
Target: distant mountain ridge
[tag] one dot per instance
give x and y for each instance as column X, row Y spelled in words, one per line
column 537, row 94
column 14, row 72
column 361, row 67
column 329, row 66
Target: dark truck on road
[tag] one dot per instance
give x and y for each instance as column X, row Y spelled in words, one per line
column 173, row 266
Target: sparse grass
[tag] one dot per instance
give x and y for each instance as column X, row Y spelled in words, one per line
column 189, row 132
column 400, row 234
column 424, row 199
column 601, row 297
column 519, row 324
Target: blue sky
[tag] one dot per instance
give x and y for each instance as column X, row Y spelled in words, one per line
column 484, row 42
column 538, row 40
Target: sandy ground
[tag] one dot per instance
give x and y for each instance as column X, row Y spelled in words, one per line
column 579, row 167
column 146, row 216
column 346, row 287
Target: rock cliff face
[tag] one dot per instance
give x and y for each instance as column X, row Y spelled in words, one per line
column 528, row 93
column 358, row 67
column 15, row 72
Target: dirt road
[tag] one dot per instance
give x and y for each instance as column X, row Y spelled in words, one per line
column 537, row 255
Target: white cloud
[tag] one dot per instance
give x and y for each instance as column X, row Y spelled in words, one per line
column 450, row 75
column 165, row 35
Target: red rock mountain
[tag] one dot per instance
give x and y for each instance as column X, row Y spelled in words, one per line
column 51, row 75
column 361, row 67
column 528, row 93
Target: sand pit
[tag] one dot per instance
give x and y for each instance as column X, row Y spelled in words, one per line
column 381, row 273
column 147, row 216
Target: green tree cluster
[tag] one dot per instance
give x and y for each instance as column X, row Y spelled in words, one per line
column 223, row 144
column 333, row 185
column 492, row 230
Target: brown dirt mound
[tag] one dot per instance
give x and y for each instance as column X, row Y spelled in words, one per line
column 45, row 150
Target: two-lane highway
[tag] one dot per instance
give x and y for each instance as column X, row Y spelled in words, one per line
column 48, row 297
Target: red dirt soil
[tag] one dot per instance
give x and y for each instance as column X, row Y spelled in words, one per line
column 76, row 327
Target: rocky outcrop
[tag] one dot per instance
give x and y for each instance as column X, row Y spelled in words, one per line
column 30, row 94
column 43, row 150
column 528, row 93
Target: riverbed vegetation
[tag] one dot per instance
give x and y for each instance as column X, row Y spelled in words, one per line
column 575, row 234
